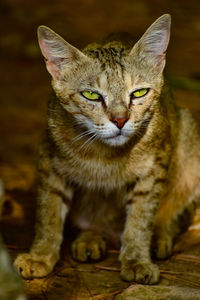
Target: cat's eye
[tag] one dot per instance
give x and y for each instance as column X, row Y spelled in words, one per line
column 139, row 93
column 91, row 95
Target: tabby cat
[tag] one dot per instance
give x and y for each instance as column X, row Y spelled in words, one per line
column 118, row 155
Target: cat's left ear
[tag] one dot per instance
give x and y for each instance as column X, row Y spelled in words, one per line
column 57, row 52
column 153, row 44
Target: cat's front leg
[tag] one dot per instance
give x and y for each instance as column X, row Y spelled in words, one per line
column 53, row 204
column 135, row 256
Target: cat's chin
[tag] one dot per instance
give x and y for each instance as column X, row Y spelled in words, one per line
column 116, row 141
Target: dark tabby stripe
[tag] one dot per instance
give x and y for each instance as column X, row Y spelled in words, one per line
column 59, row 193
column 141, row 193
column 130, row 186
column 160, row 180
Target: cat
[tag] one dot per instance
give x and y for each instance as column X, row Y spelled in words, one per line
column 118, row 157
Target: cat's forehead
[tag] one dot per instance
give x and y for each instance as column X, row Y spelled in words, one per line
column 109, row 67
column 113, row 62
column 110, row 70
column 109, row 54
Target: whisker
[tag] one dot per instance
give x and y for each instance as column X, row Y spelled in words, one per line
column 95, row 137
column 81, row 135
column 88, row 141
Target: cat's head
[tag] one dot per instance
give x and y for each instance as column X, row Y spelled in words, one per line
column 111, row 91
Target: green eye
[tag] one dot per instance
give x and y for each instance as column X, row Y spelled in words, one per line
column 91, row 95
column 139, row 93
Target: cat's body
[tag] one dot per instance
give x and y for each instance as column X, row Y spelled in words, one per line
column 118, row 155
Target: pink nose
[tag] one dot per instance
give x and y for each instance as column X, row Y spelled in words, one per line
column 119, row 122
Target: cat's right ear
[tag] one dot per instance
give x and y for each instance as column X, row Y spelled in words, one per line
column 57, row 51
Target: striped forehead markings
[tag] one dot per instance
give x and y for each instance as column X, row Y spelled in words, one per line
column 111, row 62
column 106, row 55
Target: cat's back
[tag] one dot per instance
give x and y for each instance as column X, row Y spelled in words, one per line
column 189, row 133
column 187, row 154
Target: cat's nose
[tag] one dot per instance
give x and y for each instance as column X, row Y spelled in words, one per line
column 119, row 122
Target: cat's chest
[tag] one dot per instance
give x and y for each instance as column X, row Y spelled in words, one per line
column 92, row 173
column 98, row 173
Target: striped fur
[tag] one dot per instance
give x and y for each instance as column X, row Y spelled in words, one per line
column 110, row 179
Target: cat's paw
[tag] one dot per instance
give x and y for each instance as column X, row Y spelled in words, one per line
column 88, row 246
column 145, row 273
column 29, row 267
column 163, row 247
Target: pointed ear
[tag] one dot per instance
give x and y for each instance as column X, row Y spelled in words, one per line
column 153, row 44
column 57, row 51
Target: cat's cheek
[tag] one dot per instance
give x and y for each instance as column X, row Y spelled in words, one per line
column 87, row 107
column 57, row 86
column 94, row 113
column 71, row 109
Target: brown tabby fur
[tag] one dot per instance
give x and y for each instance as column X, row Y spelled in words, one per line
column 147, row 170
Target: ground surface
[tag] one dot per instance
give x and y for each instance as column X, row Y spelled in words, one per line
column 25, row 86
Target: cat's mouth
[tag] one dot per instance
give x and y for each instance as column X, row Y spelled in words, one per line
column 118, row 139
